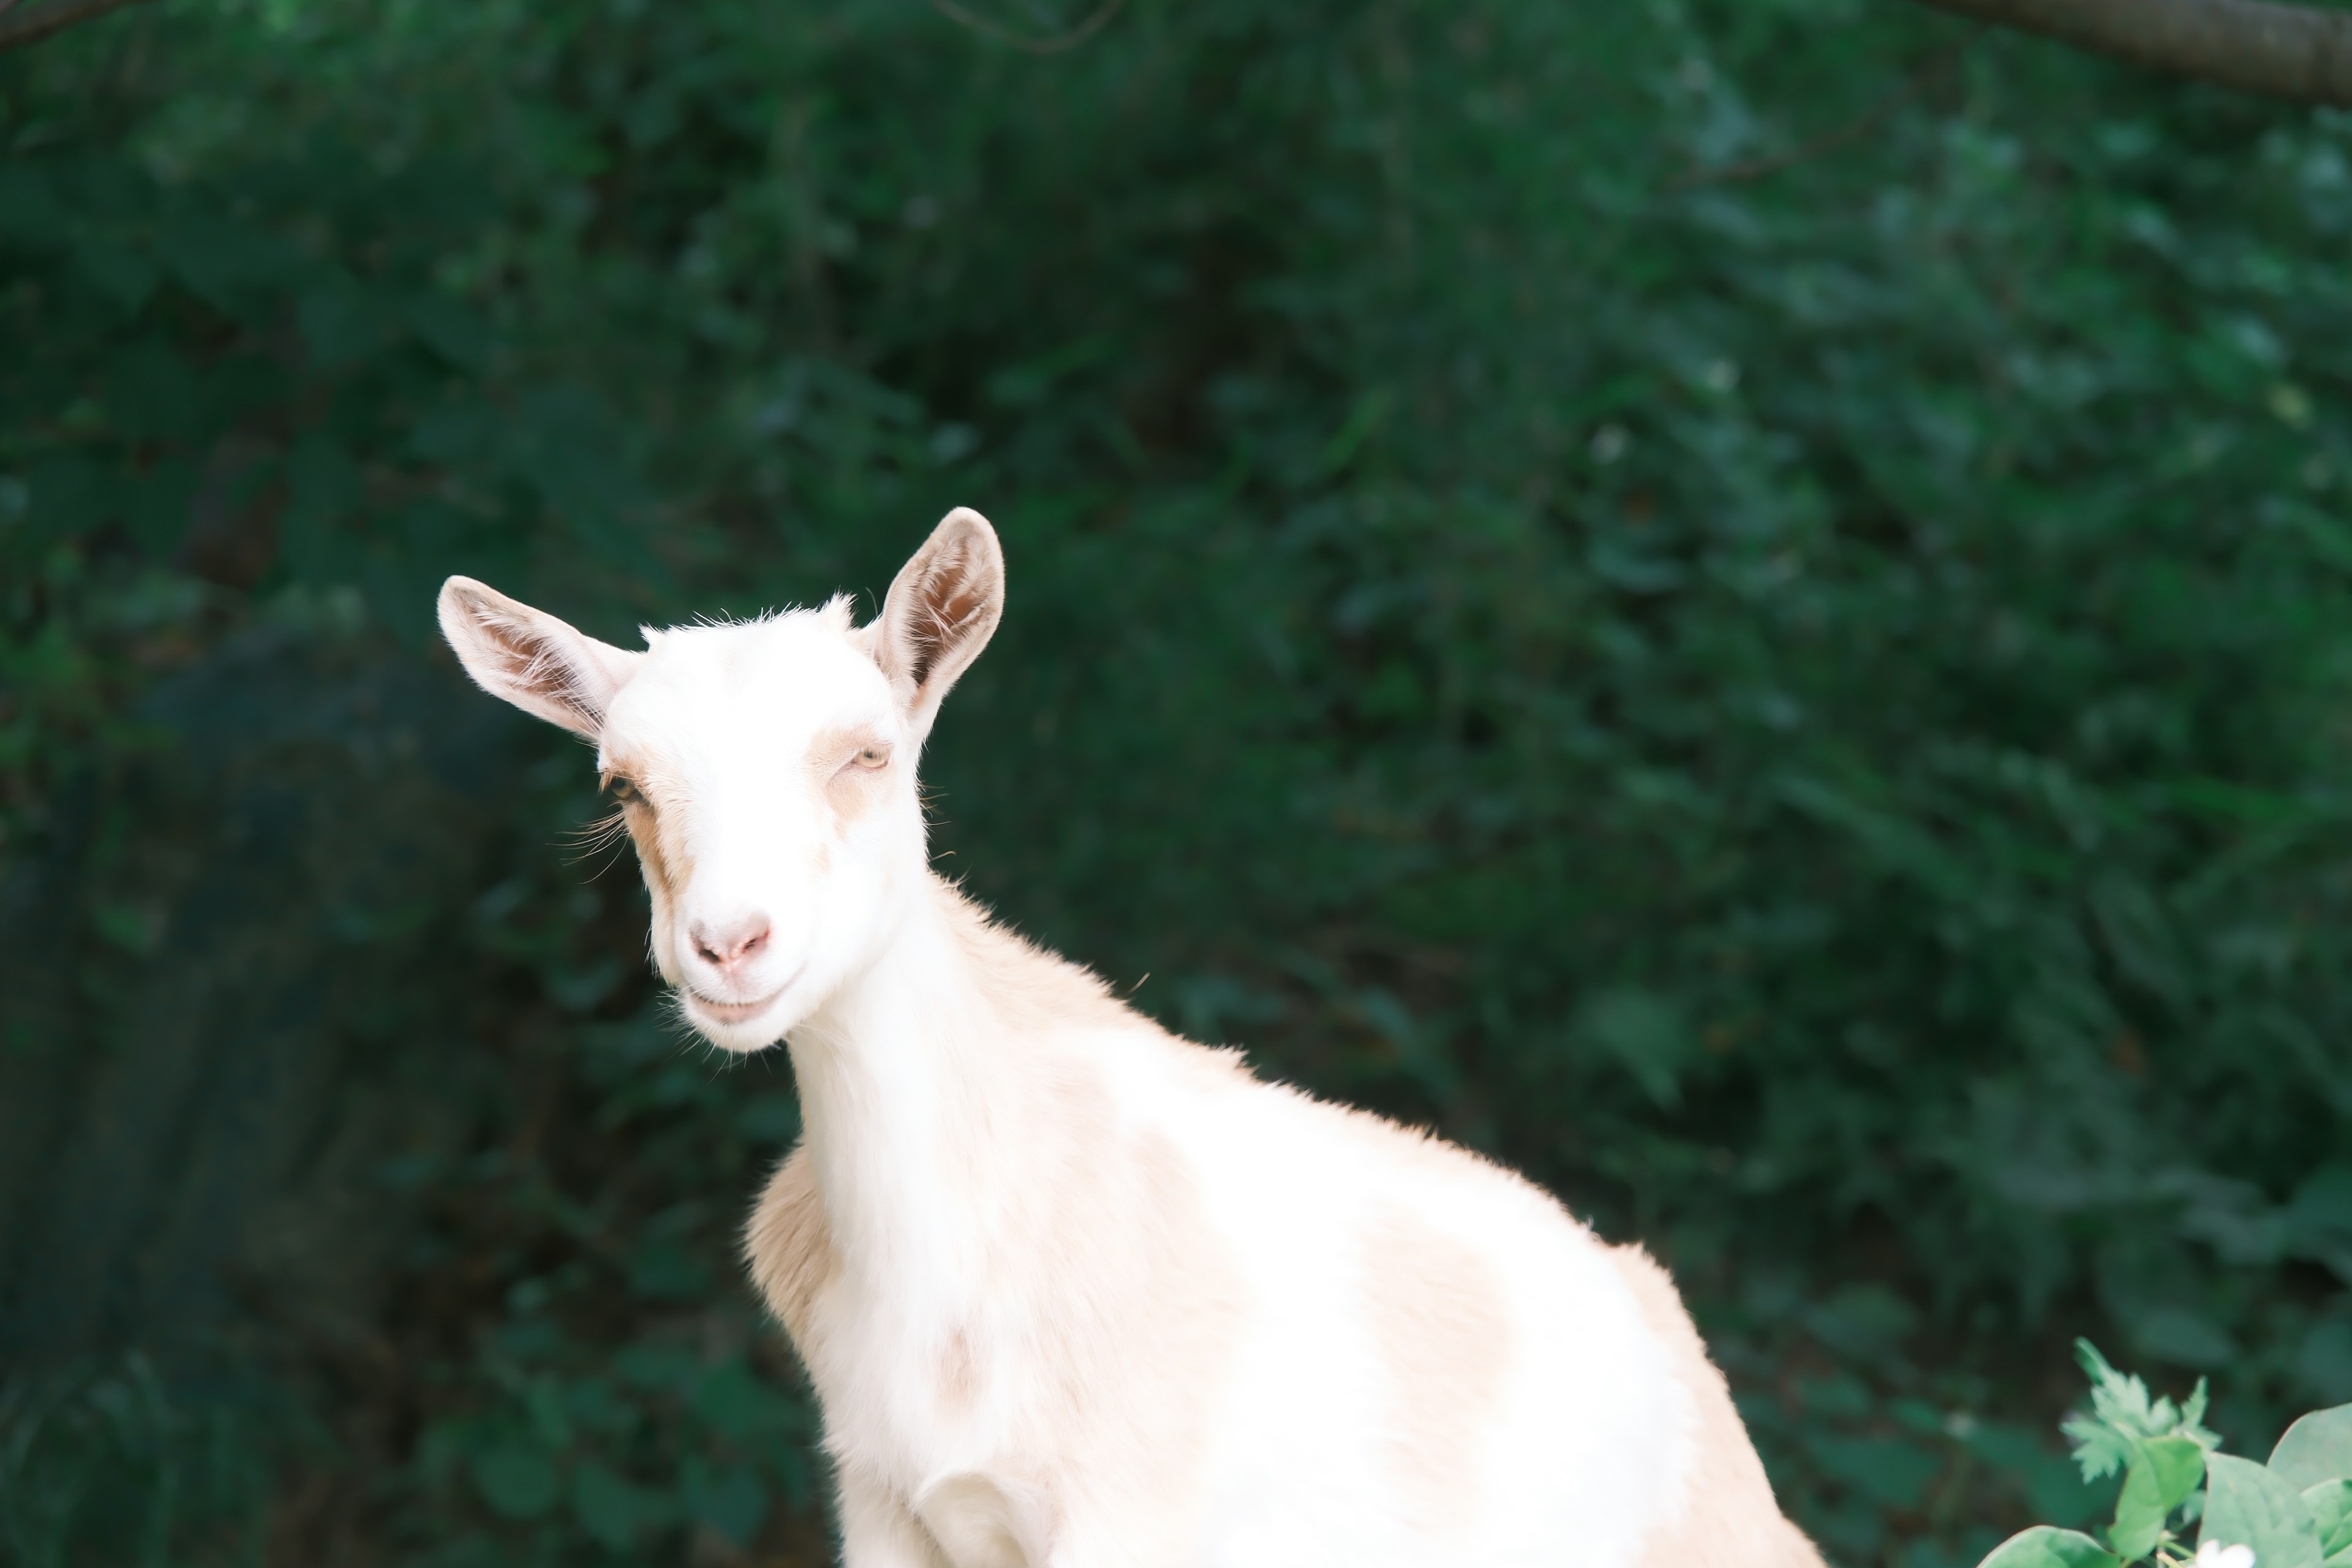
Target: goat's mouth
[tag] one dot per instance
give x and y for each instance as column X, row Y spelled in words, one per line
column 702, row 1006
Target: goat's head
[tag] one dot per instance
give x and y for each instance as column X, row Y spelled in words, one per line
column 765, row 769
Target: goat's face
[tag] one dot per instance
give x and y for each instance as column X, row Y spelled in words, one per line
column 765, row 770
column 767, row 777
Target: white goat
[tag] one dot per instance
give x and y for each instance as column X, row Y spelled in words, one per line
column 1073, row 1291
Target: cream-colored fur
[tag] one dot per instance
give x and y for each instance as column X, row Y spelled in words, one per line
column 1073, row 1291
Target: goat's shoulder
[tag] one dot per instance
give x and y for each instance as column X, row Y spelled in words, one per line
column 789, row 1244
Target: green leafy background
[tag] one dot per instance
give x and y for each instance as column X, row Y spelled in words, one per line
column 1747, row 605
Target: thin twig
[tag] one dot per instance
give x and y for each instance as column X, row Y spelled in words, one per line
column 1917, row 83
column 1053, row 46
column 36, row 25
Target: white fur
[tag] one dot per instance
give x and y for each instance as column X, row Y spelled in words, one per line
column 1074, row 1292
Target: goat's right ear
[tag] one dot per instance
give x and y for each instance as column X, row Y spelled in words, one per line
column 942, row 608
column 530, row 658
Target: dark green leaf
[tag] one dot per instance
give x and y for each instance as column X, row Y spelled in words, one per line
column 613, row 1510
column 730, row 1501
column 517, row 1478
column 1646, row 1036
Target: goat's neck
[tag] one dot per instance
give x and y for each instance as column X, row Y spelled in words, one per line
column 916, row 1108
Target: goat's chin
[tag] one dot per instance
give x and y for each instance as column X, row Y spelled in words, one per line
column 754, row 1031
column 742, row 1042
column 744, row 1038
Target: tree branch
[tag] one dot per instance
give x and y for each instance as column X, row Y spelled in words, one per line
column 2296, row 52
column 16, row 31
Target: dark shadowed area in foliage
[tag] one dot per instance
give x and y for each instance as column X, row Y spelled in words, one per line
column 1747, row 605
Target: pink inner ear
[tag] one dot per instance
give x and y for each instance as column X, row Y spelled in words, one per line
column 949, row 601
column 536, row 663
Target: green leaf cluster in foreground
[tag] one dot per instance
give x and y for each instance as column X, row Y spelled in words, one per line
column 2293, row 1513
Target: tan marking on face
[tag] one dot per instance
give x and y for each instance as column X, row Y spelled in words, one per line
column 1726, row 1516
column 656, row 818
column 1439, row 1320
column 851, row 781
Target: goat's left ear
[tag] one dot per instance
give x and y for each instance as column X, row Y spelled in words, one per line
column 530, row 658
column 943, row 607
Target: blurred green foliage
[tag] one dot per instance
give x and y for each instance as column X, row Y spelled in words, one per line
column 2293, row 1513
column 1749, row 606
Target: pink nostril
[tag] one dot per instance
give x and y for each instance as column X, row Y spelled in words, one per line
column 730, row 947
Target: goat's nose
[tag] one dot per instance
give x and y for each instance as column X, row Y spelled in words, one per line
column 730, row 945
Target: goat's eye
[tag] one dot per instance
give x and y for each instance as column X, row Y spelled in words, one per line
column 624, row 790
column 872, row 756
